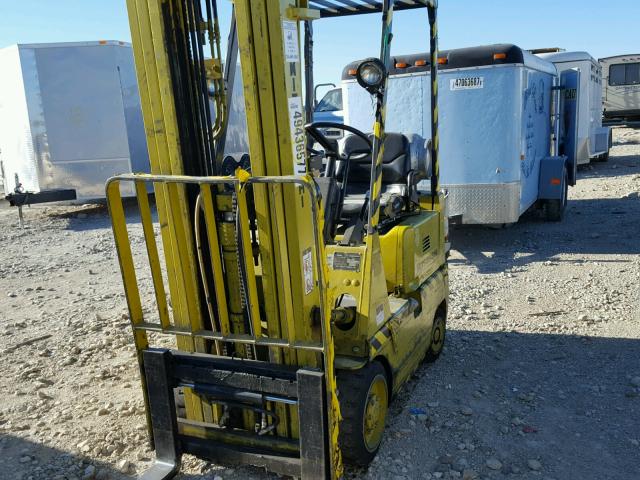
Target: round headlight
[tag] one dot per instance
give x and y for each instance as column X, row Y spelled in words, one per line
column 370, row 74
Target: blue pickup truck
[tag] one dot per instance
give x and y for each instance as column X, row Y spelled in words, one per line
column 329, row 109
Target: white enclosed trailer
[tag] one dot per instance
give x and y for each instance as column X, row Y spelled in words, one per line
column 70, row 118
column 594, row 140
column 506, row 134
column 621, row 97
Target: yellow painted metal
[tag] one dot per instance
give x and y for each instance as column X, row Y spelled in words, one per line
column 215, row 74
column 392, row 277
column 207, row 432
column 375, row 300
column 302, row 13
column 125, row 257
column 284, row 232
column 375, row 412
column 245, row 245
column 437, row 338
column 176, row 204
column 212, row 69
column 411, row 252
column 241, row 182
column 151, row 112
column 237, row 338
column 216, row 263
column 152, row 252
column 231, row 260
column 287, row 94
column 154, row 82
column 405, row 337
column 130, row 283
column 264, row 209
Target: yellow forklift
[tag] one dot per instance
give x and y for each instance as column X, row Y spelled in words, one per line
column 299, row 299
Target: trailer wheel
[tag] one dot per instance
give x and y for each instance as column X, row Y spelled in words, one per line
column 438, row 333
column 364, row 400
column 554, row 209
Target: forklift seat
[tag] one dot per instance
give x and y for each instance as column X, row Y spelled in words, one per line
column 405, row 162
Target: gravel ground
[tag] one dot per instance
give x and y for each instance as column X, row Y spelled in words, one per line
column 540, row 377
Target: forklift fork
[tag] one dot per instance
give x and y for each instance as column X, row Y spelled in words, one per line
column 166, row 370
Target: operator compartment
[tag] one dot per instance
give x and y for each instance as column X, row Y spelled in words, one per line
column 345, row 182
column 402, row 167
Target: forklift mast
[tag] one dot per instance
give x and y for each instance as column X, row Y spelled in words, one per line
column 240, row 276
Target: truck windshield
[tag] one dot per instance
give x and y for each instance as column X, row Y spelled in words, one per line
column 331, row 102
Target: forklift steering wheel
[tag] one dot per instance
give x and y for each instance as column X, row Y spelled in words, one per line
column 329, row 146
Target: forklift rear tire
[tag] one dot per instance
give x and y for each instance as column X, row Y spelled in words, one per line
column 364, row 401
column 554, row 209
column 438, row 334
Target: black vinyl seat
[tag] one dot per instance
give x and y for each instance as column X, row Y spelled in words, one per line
column 405, row 162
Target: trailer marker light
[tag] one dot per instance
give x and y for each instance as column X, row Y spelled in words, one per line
column 352, row 71
column 443, row 61
column 555, row 181
column 499, row 56
column 420, row 63
column 401, row 65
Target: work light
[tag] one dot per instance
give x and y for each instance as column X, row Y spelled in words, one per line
column 370, row 75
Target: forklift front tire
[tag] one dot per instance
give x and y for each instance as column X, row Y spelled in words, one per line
column 364, row 401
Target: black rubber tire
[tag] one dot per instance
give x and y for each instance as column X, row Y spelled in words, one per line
column 353, row 389
column 438, row 336
column 554, row 209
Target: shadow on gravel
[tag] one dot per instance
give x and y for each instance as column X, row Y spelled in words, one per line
column 98, row 218
column 566, row 400
column 618, row 166
column 590, row 227
column 21, row 459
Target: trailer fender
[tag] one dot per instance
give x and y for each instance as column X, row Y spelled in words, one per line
column 552, row 178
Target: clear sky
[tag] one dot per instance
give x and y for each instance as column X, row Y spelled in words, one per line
column 602, row 28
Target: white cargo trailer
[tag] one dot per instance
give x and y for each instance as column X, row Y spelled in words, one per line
column 70, row 118
column 594, row 140
column 507, row 135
